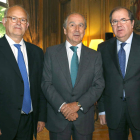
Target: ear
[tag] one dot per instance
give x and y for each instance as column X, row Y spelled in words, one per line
column 4, row 21
column 84, row 32
column 65, row 31
column 133, row 24
column 27, row 25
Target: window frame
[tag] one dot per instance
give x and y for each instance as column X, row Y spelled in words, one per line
column 4, row 4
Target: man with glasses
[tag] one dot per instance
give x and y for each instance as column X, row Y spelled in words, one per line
column 22, row 104
column 119, row 105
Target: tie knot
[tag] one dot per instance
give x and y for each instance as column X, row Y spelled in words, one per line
column 123, row 44
column 74, row 48
column 17, row 46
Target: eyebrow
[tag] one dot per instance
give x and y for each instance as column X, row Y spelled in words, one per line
column 71, row 22
column 17, row 17
column 119, row 19
column 74, row 23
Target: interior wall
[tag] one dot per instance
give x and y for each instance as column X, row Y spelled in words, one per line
column 51, row 23
column 47, row 17
column 96, row 13
column 35, row 9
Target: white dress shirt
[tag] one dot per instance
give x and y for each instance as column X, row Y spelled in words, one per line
column 15, row 52
column 127, row 49
column 70, row 52
column 69, row 56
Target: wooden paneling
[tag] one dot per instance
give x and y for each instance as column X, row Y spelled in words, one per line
column 51, row 23
column 51, row 15
column 34, row 33
column 65, row 11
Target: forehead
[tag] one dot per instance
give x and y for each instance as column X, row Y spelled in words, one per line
column 75, row 18
column 121, row 13
column 16, row 11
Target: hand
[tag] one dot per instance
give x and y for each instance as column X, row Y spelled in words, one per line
column 0, row 132
column 69, row 108
column 73, row 117
column 40, row 126
column 95, row 103
column 102, row 119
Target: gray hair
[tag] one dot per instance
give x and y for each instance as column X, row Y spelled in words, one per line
column 6, row 11
column 130, row 14
column 66, row 20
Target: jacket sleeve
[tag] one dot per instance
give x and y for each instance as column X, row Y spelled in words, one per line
column 95, row 90
column 101, row 99
column 51, row 94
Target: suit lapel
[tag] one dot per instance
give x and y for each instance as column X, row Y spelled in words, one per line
column 112, row 48
column 30, row 58
column 134, row 54
column 7, row 52
column 63, row 62
column 84, row 62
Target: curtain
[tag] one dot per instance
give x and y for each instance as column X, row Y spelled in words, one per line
column 34, row 34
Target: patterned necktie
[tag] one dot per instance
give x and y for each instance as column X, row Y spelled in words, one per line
column 122, row 58
column 74, row 65
column 26, row 105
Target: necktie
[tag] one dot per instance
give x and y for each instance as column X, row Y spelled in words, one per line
column 26, row 105
column 122, row 58
column 74, row 65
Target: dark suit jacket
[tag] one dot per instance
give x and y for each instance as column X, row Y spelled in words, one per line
column 57, row 87
column 12, row 88
column 111, row 101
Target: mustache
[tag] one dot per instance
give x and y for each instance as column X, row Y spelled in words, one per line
column 77, row 33
column 18, row 26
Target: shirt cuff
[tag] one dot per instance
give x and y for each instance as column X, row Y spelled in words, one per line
column 61, row 106
column 102, row 113
column 81, row 108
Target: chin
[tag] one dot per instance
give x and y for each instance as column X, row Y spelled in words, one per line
column 77, row 40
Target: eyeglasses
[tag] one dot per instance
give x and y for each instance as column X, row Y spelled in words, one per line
column 123, row 21
column 15, row 19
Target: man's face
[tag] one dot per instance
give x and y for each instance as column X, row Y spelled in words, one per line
column 15, row 30
column 122, row 31
column 75, row 29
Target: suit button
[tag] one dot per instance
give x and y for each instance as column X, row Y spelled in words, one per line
column 124, row 82
column 19, row 109
column 21, row 81
column 72, row 94
column 21, row 95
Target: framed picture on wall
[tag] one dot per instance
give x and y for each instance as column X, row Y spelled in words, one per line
column 135, row 8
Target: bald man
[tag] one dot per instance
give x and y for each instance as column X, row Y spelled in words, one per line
column 22, row 103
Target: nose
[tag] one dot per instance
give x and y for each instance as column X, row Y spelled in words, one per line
column 119, row 23
column 77, row 28
column 18, row 21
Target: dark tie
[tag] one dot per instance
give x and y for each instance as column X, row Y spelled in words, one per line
column 122, row 58
column 26, row 105
column 74, row 65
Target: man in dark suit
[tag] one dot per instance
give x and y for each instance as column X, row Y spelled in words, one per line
column 72, row 83
column 119, row 104
column 22, row 103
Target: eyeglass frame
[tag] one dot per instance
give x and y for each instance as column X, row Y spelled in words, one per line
column 121, row 21
column 17, row 19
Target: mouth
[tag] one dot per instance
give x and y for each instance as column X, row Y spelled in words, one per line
column 119, row 30
column 77, row 35
column 19, row 28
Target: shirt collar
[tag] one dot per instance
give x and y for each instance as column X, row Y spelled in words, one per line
column 11, row 42
column 68, row 45
column 128, row 41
